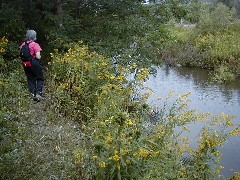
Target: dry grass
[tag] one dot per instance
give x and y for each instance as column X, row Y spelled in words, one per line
column 41, row 148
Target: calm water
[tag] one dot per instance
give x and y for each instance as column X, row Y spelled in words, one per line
column 206, row 96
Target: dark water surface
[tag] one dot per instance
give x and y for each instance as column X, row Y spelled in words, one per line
column 205, row 96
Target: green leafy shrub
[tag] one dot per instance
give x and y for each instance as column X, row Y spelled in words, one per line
column 10, row 82
column 212, row 44
column 117, row 144
column 12, row 25
column 77, row 76
column 215, row 19
column 224, row 73
column 179, row 48
column 118, row 140
column 14, row 102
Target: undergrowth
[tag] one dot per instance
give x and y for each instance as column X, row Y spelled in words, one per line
column 93, row 125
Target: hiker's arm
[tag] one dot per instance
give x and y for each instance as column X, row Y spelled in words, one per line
column 38, row 55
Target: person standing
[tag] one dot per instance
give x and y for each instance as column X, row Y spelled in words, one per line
column 33, row 68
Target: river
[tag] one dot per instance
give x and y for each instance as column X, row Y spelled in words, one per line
column 205, row 96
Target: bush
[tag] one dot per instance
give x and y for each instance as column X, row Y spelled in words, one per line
column 118, row 141
column 117, row 144
column 212, row 44
column 14, row 102
column 215, row 19
column 76, row 78
column 224, row 73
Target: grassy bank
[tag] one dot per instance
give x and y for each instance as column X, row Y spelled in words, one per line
column 212, row 43
column 93, row 125
column 41, row 146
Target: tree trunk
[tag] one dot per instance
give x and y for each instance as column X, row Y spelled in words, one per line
column 79, row 169
column 40, row 8
column 78, row 10
column 58, row 7
column 1, row 3
column 27, row 11
column 58, row 12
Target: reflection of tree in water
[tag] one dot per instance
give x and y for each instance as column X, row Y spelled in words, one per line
column 203, row 83
column 154, row 70
column 199, row 76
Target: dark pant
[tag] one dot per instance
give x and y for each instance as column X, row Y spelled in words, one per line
column 35, row 78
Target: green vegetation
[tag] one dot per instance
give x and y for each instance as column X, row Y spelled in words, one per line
column 115, row 142
column 127, row 31
column 94, row 122
column 212, row 43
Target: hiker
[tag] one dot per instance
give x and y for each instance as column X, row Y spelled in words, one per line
column 32, row 66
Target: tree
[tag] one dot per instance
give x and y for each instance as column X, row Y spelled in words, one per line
column 233, row 4
column 107, row 26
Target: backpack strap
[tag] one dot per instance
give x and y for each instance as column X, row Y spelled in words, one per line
column 28, row 43
column 25, row 53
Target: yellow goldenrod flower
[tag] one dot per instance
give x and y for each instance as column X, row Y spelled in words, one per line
column 2, row 50
column 129, row 123
column 118, row 166
column 183, row 96
column 185, row 128
column 77, row 88
column 116, row 158
column 108, row 139
column 104, row 64
column 128, row 162
column 124, row 152
column 116, row 152
column 216, row 153
column 229, row 123
column 112, row 77
column 78, row 155
column 120, row 78
column 102, row 164
column 234, row 132
column 170, row 94
column 134, row 65
column 185, row 139
column 143, row 153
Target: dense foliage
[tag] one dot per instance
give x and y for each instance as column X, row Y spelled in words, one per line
column 211, row 43
column 97, row 55
column 128, row 31
column 118, row 142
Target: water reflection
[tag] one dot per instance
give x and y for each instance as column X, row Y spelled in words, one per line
column 203, row 82
column 206, row 96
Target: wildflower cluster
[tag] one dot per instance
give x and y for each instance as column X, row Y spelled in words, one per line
column 143, row 74
column 3, row 43
column 117, row 143
column 77, row 76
